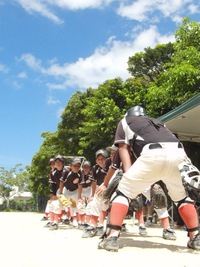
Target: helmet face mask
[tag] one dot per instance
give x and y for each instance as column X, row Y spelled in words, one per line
column 137, row 111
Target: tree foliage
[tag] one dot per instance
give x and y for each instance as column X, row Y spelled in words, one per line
column 150, row 63
column 16, row 176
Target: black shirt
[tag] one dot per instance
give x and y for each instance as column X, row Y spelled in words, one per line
column 54, row 180
column 98, row 174
column 86, row 180
column 69, row 177
column 137, row 131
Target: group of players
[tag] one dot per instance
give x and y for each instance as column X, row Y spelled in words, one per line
column 144, row 152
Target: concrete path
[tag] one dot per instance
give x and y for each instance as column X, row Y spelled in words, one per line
column 24, row 242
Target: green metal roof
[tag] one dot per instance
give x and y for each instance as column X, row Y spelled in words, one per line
column 185, row 120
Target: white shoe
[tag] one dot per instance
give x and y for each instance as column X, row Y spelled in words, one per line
column 75, row 224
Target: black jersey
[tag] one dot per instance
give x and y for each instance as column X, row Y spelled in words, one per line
column 107, row 164
column 54, row 180
column 116, row 164
column 71, row 179
column 137, row 131
column 86, row 180
column 98, row 174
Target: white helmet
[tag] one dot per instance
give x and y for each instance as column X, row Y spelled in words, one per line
column 191, row 179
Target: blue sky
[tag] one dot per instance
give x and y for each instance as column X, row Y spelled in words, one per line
column 51, row 48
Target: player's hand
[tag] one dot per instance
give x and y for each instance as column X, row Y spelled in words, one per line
column 90, row 199
column 100, row 190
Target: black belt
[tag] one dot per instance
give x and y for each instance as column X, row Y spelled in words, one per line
column 157, row 145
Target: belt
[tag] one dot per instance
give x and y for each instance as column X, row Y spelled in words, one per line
column 157, row 145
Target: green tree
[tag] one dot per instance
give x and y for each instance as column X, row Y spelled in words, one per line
column 101, row 114
column 181, row 78
column 150, row 63
column 73, row 118
column 17, row 177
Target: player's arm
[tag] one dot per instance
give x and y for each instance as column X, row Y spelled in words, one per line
column 61, row 186
column 80, row 187
column 125, row 156
column 102, row 188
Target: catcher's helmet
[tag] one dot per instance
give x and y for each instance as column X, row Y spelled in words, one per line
column 191, row 180
column 137, row 111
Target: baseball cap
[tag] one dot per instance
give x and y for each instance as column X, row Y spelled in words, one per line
column 51, row 160
column 86, row 163
column 75, row 161
column 102, row 152
column 59, row 157
column 113, row 147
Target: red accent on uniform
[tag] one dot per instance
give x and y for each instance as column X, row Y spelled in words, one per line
column 118, row 213
column 189, row 216
column 61, row 214
column 165, row 223
column 140, row 216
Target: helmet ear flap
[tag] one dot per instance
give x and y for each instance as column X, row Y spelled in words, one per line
column 191, row 180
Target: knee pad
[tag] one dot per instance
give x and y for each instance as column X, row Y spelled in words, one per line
column 162, row 213
column 158, row 197
column 136, row 204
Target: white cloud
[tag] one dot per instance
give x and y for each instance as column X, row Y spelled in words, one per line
column 141, row 10
column 31, row 61
column 194, row 9
column 16, row 85
column 52, row 100
column 54, row 86
column 45, row 7
column 22, row 75
column 79, row 4
column 3, row 68
column 107, row 62
column 138, row 10
column 60, row 112
column 38, row 6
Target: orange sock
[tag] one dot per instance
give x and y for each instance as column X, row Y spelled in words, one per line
column 118, row 213
column 94, row 220
column 165, row 223
column 61, row 214
column 189, row 216
column 140, row 216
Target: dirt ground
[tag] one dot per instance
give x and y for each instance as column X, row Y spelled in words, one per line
column 24, row 242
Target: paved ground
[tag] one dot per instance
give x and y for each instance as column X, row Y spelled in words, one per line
column 24, row 242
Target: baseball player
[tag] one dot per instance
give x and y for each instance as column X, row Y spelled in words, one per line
column 69, row 185
column 158, row 157
column 47, row 208
column 85, row 192
column 162, row 213
column 55, row 207
column 97, row 208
